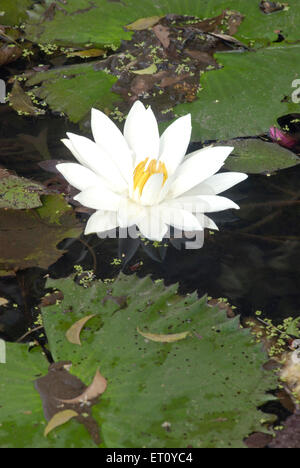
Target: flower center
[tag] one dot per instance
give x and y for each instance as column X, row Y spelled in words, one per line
column 141, row 174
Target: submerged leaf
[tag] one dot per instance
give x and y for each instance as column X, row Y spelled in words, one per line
column 52, row 222
column 170, row 338
column 73, row 334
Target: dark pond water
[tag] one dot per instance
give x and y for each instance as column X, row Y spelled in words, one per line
column 253, row 261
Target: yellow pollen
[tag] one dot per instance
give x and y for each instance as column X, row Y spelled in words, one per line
column 141, row 175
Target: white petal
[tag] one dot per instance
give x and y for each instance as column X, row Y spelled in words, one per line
column 130, row 127
column 165, row 189
column 190, row 204
column 110, row 139
column 174, row 142
column 79, row 176
column 217, row 183
column 151, row 190
column 179, row 218
column 141, row 133
column 129, row 213
column 206, row 203
column 71, row 147
column 93, row 157
column 101, row 222
column 209, row 223
column 99, row 198
column 197, row 168
column 152, row 226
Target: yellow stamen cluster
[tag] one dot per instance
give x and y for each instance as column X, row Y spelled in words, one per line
column 141, row 175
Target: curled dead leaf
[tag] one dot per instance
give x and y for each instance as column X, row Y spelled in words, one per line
column 147, row 71
column 60, row 390
column 3, row 301
column 73, row 334
column 87, row 53
column 169, row 338
column 59, row 419
column 143, row 23
column 97, row 387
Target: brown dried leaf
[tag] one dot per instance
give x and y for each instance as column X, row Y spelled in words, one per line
column 271, row 7
column 162, row 33
column 258, row 440
column 142, row 83
column 289, row 437
column 73, row 334
column 9, row 53
column 230, row 39
column 97, row 387
column 59, row 385
column 59, row 419
column 170, row 338
column 87, row 53
column 171, row 79
column 143, row 23
column 201, row 56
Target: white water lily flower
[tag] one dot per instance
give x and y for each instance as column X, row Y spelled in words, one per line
column 145, row 180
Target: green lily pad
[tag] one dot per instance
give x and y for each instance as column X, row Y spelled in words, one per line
column 246, row 96
column 201, row 391
column 18, row 193
column 75, row 89
column 14, row 11
column 22, row 419
column 255, row 156
column 102, row 22
column 28, row 238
